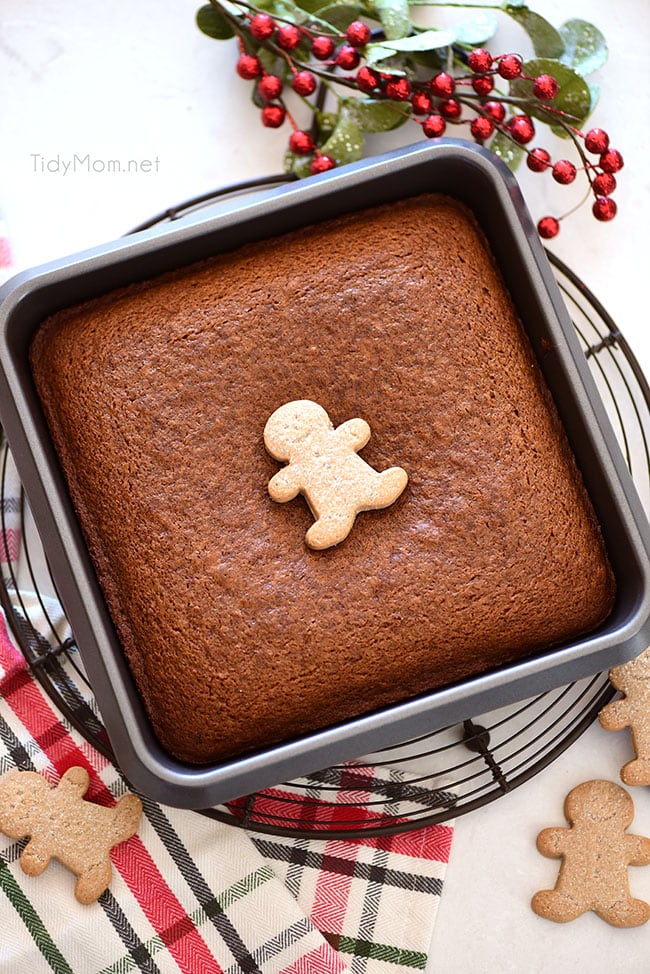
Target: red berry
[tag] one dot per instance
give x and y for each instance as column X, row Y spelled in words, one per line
column 522, row 129
column 399, row 89
column 481, row 128
column 564, row 172
column 322, row 47
column 479, row 60
column 321, row 164
column 270, row 87
column 604, row 208
column 596, row 141
column 483, row 85
column 538, row 160
column 288, row 37
column 273, row 116
column 304, row 83
column 301, row 143
column 421, row 103
column 443, row 85
column 348, row 58
column 545, row 87
column 358, row 34
column 604, row 184
column 509, row 66
column 548, row 227
column 450, row 108
column 611, row 161
column 248, row 67
column 367, row 79
column 434, row 126
column 262, row 26
column 495, row 110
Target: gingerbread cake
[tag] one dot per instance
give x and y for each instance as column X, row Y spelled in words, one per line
column 240, row 635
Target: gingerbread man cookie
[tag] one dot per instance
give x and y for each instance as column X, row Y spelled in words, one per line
column 65, row 827
column 323, row 466
column 633, row 711
column 596, row 852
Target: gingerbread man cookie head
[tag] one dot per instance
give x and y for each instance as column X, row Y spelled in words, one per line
column 291, row 425
column 323, row 465
column 630, row 675
column 614, row 805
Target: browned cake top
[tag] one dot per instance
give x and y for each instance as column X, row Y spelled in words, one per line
column 237, row 632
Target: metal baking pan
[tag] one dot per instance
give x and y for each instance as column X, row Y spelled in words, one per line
column 471, row 175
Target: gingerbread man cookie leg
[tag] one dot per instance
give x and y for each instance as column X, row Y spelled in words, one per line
column 35, row 858
column 329, row 530
column 630, row 913
column 93, row 881
column 556, row 905
column 391, row 484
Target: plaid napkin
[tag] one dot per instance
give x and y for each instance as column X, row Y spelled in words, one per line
column 196, row 895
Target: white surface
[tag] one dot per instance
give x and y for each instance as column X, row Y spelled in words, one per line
column 137, row 81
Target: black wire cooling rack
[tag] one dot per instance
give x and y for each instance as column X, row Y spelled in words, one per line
column 432, row 779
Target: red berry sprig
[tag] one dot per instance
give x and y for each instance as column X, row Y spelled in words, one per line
column 472, row 97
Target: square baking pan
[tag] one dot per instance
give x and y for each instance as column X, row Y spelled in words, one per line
column 457, row 169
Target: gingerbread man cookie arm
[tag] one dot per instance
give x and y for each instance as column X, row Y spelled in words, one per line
column 354, row 433
column 127, row 815
column 616, row 715
column 285, row 484
column 638, row 850
column 552, row 842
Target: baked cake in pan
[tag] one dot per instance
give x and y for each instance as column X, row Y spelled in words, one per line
column 240, row 635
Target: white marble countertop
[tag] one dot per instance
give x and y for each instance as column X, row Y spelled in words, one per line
column 138, row 81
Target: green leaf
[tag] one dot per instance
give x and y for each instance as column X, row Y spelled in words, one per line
column 507, row 150
column 476, row 29
column 340, row 15
column 288, row 10
column 270, row 61
column 419, row 45
column 213, row 23
column 431, row 61
column 426, row 40
column 300, row 165
column 327, row 121
column 573, row 97
column 379, row 52
column 345, row 144
column 395, row 18
column 585, row 48
column 377, row 116
column 547, row 41
column 313, row 6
